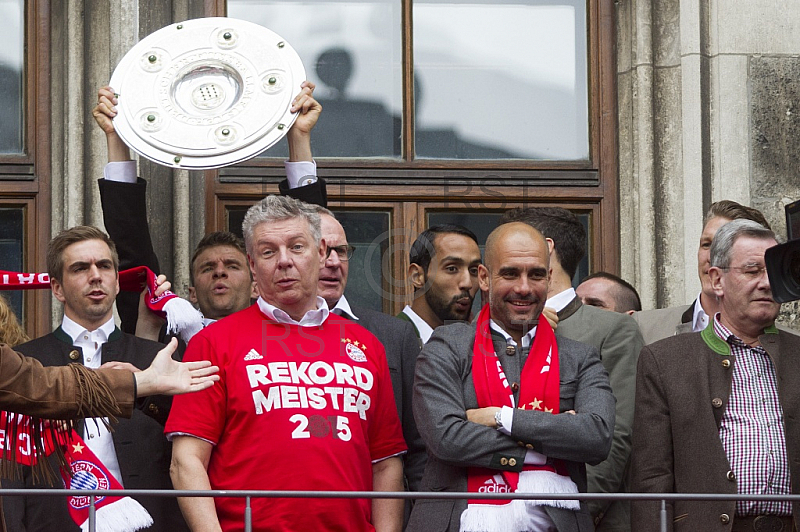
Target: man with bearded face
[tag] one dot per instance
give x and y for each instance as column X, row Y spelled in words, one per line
column 504, row 405
column 444, row 272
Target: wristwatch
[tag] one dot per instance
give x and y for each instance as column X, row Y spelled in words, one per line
column 498, row 419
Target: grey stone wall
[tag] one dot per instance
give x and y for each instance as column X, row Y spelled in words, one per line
column 708, row 94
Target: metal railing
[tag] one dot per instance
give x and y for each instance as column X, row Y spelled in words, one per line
column 275, row 494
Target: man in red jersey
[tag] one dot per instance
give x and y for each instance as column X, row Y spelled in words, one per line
column 304, row 403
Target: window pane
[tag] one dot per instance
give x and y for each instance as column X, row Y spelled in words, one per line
column 352, row 52
column 11, row 69
column 501, row 79
column 11, row 235
column 367, row 284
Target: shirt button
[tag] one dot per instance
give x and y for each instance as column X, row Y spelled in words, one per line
column 510, row 350
column 515, row 387
column 512, row 462
column 724, row 519
column 74, row 354
column 726, row 363
column 504, row 461
column 731, row 475
column 716, row 402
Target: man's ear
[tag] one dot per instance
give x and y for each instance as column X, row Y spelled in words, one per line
column 192, row 295
column 715, row 276
column 417, row 276
column 323, row 252
column 252, row 264
column 483, row 278
column 57, row 289
column 629, row 312
column 551, row 246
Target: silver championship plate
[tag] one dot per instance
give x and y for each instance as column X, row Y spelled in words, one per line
column 206, row 93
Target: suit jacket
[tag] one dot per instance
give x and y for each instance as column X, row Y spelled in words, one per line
column 56, row 393
column 616, row 336
column 682, row 388
column 315, row 193
column 443, row 391
column 402, row 347
column 664, row 322
column 125, row 217
column 143, row 452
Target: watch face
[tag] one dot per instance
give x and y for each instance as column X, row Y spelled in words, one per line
column 206, row 93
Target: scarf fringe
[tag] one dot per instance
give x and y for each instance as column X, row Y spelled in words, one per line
column 56, row 431
column 548, row 482
column 124, row 515
column 182, row 318
column 513, row 517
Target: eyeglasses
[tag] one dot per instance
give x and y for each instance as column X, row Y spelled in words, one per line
column 344, row 253
column 750, row 272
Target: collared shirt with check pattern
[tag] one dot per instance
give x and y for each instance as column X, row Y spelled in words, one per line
column 752, row 430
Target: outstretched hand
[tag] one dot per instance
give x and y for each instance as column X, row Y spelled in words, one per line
column 167, row 376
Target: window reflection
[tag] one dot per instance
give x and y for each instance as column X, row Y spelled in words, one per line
column 11, row 69
column 498, row 79
column 352, row 52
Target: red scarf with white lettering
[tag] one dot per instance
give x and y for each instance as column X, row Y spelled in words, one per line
column 182, row 318
column 31, row 440
column 539, row 390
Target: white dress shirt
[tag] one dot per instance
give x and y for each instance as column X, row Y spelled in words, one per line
column 97, row 436
column 425, row 331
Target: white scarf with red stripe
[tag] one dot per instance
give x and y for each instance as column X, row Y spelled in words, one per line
column 539, row 390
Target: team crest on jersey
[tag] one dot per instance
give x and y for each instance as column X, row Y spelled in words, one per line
column 86, row 476
column 354, row 350
column 253, row 355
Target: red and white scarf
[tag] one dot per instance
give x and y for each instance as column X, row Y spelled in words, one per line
column 31, row 440
column 539, row 390
column 182, row 318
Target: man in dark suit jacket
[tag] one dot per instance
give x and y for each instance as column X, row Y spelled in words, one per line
column 717, row 411
column 614, row 335
column 461, row 433
column 83, row 267
column 398, row 338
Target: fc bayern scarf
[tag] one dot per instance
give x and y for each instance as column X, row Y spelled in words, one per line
column 182, row 318
column 539, row 390
column 82, row 471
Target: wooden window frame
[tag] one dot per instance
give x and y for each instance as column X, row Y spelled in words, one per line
column 413, row 186
column 25, row 178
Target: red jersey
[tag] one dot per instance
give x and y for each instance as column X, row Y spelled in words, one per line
column 296, row 408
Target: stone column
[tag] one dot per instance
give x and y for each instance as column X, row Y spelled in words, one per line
column 708, row 91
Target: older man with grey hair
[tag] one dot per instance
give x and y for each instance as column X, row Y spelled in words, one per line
column 717, row 411
column 305, row 401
